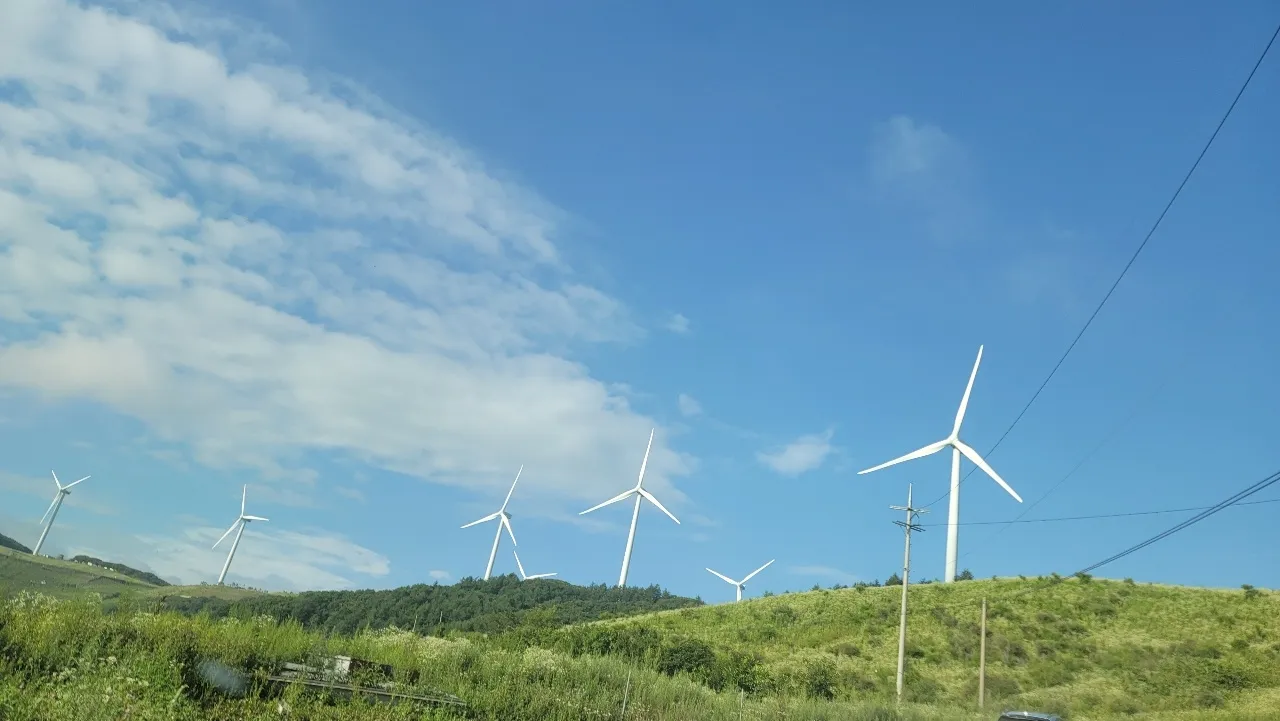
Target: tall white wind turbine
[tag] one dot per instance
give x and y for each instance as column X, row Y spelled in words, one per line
column 641, row 494
column 523, row 575
column 504, row 521
column 240, row 523
column 739, row 585
column 958, row 448
column 52, row 511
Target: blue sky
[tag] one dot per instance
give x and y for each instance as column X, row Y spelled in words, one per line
column 370, row 261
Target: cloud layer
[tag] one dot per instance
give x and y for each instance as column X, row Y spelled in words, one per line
column 802, row 455
column 263, row 263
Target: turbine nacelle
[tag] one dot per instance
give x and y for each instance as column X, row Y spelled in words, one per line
column 739, row 585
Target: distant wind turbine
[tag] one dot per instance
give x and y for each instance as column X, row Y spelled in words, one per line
column 520, row 566
column 52, row 511
column 739, row 585
column 504, row 521
column 240, row 523
column 641, row 494
column 958, row 448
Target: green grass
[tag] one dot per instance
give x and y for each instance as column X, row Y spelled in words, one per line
column 1095, row 651
column 60, row 579
column 1087, row 648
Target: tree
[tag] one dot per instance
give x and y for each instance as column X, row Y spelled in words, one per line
column 965, row 575
column 893, row 580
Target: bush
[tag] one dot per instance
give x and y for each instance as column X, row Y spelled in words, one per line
column 689, row 656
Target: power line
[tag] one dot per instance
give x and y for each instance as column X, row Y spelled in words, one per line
column 1141, row 246
column 1260, row 485
column 1129, row 514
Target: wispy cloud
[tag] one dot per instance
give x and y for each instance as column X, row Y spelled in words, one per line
column 688, row 406
column 833, row 574
column 802, row 455
column 266, row 558
column 917, row 167
column 678, row 324
column 261, row 263
column 439, row 575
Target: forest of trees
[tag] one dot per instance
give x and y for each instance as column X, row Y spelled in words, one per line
column 492, row 606
column 6, row 542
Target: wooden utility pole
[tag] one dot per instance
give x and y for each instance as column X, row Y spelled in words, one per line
column 908, row 526
column 982, row 659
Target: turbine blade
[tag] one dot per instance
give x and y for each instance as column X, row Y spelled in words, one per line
column 758, row 570
column 928, row 450
column 972, row 455
column 650, row 497
column 228, row 533
column 489, row 517
column 513, row 488
column 645, row 462
column 723, row 577
column 55, row 479
column 964, row 402
column 255, row 518
column 510, row 532
column 519, row 565
column 620, row 497
column 49, row 510
column 539, row 575
column 82, row 480
column 244, row 492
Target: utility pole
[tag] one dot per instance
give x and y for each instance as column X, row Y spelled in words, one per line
column 908, row 526
column 982, row 660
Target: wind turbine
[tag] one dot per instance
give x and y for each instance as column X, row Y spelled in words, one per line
column 641, row 494
column 740, row 584
column 52, row 511
column 520, row 566
column 240, row 522
column 958, row 448
column 504, row 521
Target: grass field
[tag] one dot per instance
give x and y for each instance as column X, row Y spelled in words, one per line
column 60, row 579
column 1083, row 647
column 1092, row 650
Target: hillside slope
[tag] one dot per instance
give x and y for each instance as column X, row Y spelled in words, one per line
column 60, row 579
column 1077, row 645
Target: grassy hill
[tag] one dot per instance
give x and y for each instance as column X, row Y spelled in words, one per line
column 144, row 576
column 1096, row 650
column 61, row 579
column 1084, row 647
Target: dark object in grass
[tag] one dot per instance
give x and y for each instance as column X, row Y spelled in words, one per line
column 224, row 678
column 333, row 674
column 1028, row 716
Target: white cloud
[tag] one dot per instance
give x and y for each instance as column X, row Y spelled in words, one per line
column 688, row 406
column 804, row 454
column 919, row 168
column 266, row 558
column 351, row 493
column 440, row 575
column 263, row 264
column 833, row 574
column 678, row 324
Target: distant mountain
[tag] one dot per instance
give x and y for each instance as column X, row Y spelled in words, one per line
column 6, row 542
column 492, row 606
column 144, row 576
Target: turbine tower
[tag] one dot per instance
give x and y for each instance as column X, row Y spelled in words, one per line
column 739, row 585
column 240, row 523
column 520, row 566
column 958, row 448
column 52, row 511
column 504, row 521
column 641, row 494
